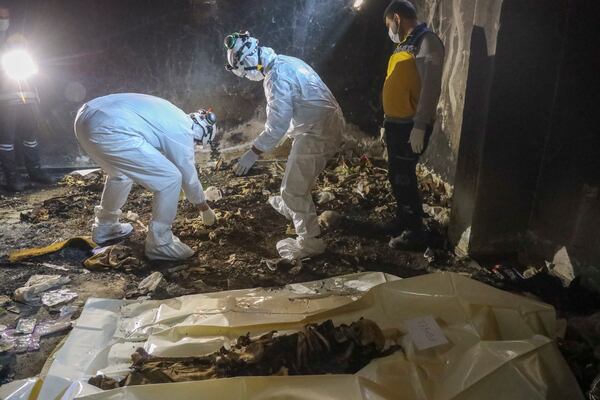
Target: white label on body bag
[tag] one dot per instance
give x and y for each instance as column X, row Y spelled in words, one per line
column 425, row 333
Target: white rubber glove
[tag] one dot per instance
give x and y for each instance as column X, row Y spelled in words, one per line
column 245, row 163
column 417, row 140
column 208, row 217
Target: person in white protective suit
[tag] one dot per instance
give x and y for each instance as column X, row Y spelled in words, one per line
column 301, row 105
column 147, row 140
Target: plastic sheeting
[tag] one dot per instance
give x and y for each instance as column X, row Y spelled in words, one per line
column 495, row 344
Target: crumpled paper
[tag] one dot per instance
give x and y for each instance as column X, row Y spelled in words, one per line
column 116, row 256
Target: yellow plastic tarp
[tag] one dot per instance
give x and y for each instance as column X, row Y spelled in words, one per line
column 24, row 254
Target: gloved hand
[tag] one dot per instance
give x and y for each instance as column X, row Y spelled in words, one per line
column 245, row 163
column 417, row 140
column 208, row 217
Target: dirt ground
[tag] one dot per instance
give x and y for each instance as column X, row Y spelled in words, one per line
column 239, row 252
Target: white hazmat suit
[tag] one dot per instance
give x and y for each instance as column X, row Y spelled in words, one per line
column 300, row 105
column 147, row 140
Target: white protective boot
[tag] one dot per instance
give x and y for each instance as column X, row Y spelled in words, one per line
column 161, row 244
column 107, row 227
column 295, row 249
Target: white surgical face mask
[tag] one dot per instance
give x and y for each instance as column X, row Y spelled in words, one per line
column 394, row 36
column 4, row 24
column 252, row 74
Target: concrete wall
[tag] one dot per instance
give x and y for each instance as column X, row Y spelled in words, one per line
column 566, row 209
column 528, row 173
column 455, row 21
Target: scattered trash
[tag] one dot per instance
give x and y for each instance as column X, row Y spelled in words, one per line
column 325, row 197
column 202, row 287
column 30, row 293
column 13, row 341
column 85, row 172
column 462, row 248
column 25, row 326
column 439, row 214
column 79, row 242
column 292, row 267
column 330, row 219
column 131, row 216
column 172, row 290
column 91, row 179
column 50, row 327
column 151, row 283
column 178, row 268
column 68, row 310
column 56, row 267
column 213, row 193
column 4, row 300
column 429, row 255
column 530, row 272
column 562, row 267
column 26, row 336
column 509, row 274
column 434, row 188
column 57, row 297
column 38, row 214
column 115, row 256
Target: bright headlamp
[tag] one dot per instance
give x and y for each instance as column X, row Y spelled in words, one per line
column 19, row 65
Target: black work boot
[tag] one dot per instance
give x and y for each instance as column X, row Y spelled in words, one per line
column 404, row 220
column 32, row 163
column 413, row 237
column 410, row 240
column 14, row 183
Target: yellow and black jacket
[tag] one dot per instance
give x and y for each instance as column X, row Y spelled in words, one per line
column 413, row 81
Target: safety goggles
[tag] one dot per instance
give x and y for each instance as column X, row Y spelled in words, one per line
column 206, row 120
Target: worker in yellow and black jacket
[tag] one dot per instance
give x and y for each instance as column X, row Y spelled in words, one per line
column 410, row 95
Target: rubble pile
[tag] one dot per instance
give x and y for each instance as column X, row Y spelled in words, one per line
column 238, row 252
column 317, row 349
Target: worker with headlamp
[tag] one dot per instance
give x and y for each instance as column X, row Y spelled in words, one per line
column 19, row 102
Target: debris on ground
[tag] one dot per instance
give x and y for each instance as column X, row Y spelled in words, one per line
column 317, row 349
column 325, row 197
column 361, row 199
column 434, row 188
column 26, row 336
column 92, row 179
column 113, row 257
column 58, row 297
column 213, row 193
column 151, row 283
column 36, row 285
column 330, row 219
column 562, row 268
column 462, row 248
column 26, row 326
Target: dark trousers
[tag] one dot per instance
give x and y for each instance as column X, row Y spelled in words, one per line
column 402, row 164
column 18, row 127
